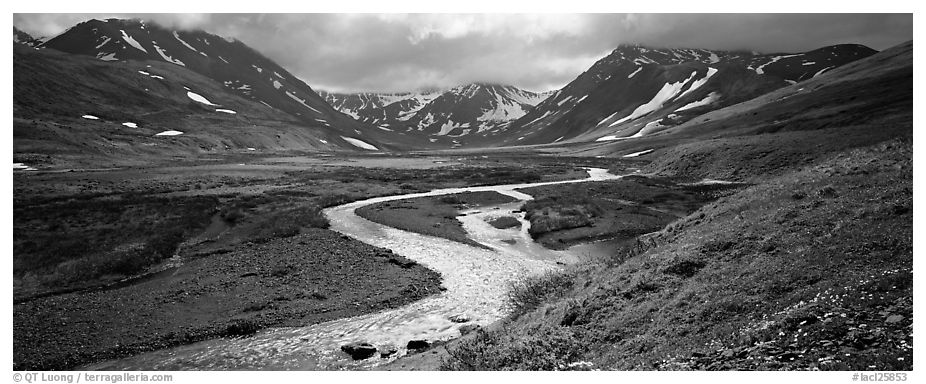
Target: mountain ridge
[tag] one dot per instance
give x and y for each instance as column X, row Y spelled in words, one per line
column 578, row 110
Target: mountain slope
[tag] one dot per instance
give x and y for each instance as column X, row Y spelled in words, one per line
column 860, row 103
column 78, row 110
column 635, row 86
column 239, row 68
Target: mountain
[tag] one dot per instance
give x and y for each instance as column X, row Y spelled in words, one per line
column 78, row 111
column 637, row 89
column 857, row 104
column 632, row 92
column 456, row 116
column 380, row 108
column 24, row 38
column 239, row 68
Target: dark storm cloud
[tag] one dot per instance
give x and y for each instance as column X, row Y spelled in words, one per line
column 391, row 52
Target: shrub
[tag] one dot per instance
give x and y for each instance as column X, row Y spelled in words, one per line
column 331, row 200
column 232, row 215
column 540, row 348
column 451, row 199
column 533, row 291
column 289, row 223
column 684, row 268
column 241, row 327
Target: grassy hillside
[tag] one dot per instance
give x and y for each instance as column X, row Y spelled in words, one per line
column 808, row 268
column 818, row 275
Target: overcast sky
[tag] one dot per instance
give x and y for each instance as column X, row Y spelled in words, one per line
column 397, row 52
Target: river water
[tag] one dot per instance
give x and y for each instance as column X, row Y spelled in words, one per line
column 476, row 279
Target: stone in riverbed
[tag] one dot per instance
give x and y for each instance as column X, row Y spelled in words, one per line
column 418, row 344
column 386, row 351
column 359, row 350
column 402, row 261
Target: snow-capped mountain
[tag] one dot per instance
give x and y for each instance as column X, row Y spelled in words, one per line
column 380, row 108
column 637, row 90
column 454, row 116
column 633, row 91
column 240, row 71
column 239, row 68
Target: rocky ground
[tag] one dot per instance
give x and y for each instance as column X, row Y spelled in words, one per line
column 867, row 327
column 237, row 243
column 312, row 277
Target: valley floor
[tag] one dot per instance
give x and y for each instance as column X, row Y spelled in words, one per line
column 116, row 262
column 809, row 267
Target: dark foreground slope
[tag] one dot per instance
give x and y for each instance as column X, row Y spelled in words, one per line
column 817, row 274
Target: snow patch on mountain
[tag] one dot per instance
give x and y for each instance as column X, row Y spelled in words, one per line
column 666, row 93
column 359, row 143
column 22, row 167
column 545, row 114
column 177, row 36
column 712, row 97
column 759, row 69
column 107, row 56
column 823, row 70
column 169, row 133
column 106, row 39
column 165, row 56
column 649, row 127
column 635, row 154
column 610, row 138
column 199, row 98
column 640, row 68
column 301, row 101
column 132, row 42
column 698, row 83
column 504, row 110
column 449, row 126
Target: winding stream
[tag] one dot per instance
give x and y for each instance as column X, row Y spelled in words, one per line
column 476, row 280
